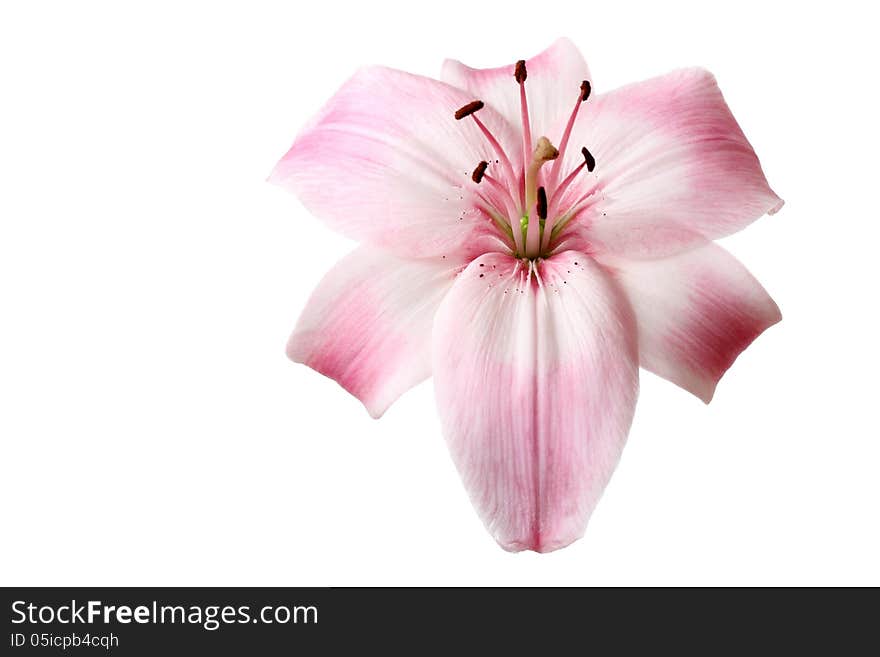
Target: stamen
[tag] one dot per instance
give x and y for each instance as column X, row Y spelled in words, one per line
column 477, row 175
column 492, row 213
column 503, row 200
column 585, row 90
column 574, row 214
column 590, row 163
column 499, row 187
column 467, row 110
column 502, row 156
column 520, row 74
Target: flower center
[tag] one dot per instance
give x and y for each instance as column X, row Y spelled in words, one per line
column 518, row 203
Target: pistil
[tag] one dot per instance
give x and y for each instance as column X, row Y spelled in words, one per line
column 544, row 152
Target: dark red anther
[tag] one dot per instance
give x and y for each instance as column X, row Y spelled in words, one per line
column 467, row 110
column 478, row 173
column 589, row 159
column 520, row 72
column 586, row 88
column 542, row 203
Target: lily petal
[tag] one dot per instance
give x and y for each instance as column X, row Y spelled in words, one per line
column 673, row 168
column 386, row 162
column 536, row 379
column 552, row 86
column 696, row 312
column 368, row 324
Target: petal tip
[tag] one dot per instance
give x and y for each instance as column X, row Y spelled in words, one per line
column 707, row 394
column 538, row 544
column 273, row 178
column 776, row 207
column 451, row 66
column 280, row 173
column 301, row 355
column 375, row 412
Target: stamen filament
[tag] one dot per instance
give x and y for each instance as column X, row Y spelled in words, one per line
column 590, row 163
column 575, row 212
column 554, row 213
column 499, row 151
column 498, row 219
column 582, row 97
column 490, row 208
column 506, row 200
column 560, row 189
column 504, row 191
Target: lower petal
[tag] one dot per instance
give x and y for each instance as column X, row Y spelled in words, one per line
column 368, row 324
column 696, row 312
column 536, row 377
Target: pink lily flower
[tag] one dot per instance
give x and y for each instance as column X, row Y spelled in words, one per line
column 529, row 244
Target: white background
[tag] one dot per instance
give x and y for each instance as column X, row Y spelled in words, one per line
column 153, row 431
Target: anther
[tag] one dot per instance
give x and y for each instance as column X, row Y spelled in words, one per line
column 467, row 110
column 589, row 159
column 477, row 175
column 520, row 72
column 586, row 88
column 542, row 203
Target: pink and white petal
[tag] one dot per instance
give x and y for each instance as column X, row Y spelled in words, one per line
column 368, row 324
column 536, row 380
column 673, row 167
column 552, row 86
column 386, row 162
column 696, row 312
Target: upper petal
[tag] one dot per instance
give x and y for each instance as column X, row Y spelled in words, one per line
column 673, row 168
column 386, row 162
column 536, row 379
column 552, row 86
column 368, row 324
column 696, row 312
